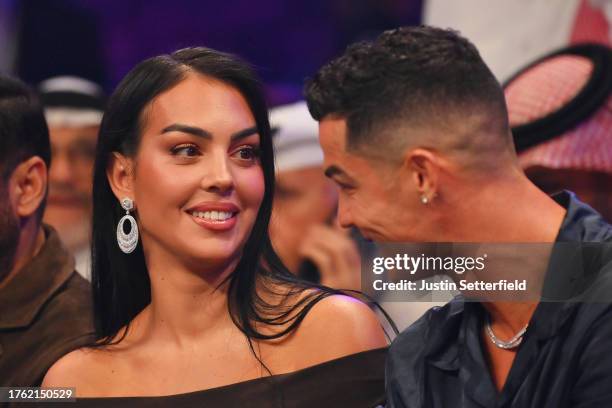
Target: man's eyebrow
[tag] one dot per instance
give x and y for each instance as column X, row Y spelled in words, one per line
column 334, row 170
column 199, row 132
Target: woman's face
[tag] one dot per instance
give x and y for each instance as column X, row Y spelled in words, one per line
column 198, row 182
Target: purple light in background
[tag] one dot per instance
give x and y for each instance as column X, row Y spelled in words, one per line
column 285, row 40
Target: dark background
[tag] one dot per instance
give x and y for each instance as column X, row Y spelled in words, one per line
column 285, row 40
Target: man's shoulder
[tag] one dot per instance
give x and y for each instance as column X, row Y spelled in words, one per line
column 74, row 296
column 62, row 324
column 67, row 319
column 79, row 287
column 422, row 334
column 405, row 366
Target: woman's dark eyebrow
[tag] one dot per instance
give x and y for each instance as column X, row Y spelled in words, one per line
column 244, row 133
column 192, row 130
column 199, row 132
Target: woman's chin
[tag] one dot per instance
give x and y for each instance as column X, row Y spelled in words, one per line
column 212, row 258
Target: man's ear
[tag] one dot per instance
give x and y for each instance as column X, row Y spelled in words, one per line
column 120, row 176
column 28, row 186
column 424, row 166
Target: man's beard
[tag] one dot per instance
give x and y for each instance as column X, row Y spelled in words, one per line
column 9, row 235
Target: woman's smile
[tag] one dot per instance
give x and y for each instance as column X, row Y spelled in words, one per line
column 216, row 216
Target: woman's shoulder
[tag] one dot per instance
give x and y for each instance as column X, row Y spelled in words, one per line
column 85, row 369
column 336, row 326
column 346, row 316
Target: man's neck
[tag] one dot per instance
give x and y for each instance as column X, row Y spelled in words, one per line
column 508, row 211
column 513, row 212
column 30, row 244
column 509, row 317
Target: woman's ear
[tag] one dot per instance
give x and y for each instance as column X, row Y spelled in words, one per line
column 120, row 174
column 28, row 186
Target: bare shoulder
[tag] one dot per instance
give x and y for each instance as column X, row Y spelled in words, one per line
column 337, row 326
column 83, row 369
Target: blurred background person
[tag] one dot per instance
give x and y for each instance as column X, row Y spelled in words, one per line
column 560, row 110
column 73, row 110
column 45, row 306
column 303, row 228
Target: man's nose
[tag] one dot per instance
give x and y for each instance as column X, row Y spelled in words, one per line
column 345, row 218
column 61, row 170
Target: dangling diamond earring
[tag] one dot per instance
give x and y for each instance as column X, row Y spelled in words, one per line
column 127, row 242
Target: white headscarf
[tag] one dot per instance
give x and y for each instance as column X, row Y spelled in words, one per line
column 296, row 141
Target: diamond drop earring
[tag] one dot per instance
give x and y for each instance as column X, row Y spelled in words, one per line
column 127, row 242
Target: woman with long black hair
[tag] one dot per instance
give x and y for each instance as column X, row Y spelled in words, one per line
column 192, row 305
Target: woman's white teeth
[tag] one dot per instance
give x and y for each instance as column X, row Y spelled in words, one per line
column 213, row 215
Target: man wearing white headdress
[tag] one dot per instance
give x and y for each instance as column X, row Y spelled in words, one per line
column 73, row 110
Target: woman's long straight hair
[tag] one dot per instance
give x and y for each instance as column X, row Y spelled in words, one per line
column 121, row 286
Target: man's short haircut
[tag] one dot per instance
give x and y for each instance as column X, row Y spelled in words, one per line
column 23, row 130
column 419, row 76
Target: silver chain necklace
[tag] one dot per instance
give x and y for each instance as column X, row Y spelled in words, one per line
column 514, row 342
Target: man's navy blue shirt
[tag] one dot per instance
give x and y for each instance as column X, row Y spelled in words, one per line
column 565, row 359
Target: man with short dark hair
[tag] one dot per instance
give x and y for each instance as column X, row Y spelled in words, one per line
column 414, row 130
column 45, row 307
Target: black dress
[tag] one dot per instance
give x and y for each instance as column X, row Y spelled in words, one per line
column 355, row 381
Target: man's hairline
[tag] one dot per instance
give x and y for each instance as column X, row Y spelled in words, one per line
column 370, row 151
column 372, row 154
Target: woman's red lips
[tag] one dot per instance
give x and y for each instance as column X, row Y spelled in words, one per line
column 214, row 206
column 215, row 216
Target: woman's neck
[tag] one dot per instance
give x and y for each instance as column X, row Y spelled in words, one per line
column 186, row 303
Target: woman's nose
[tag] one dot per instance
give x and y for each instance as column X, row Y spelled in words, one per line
column 218, row 178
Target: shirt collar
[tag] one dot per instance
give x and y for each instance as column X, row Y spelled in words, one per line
column 581, row 222
column 26, row 294
column 581, row 249
column 443, row 351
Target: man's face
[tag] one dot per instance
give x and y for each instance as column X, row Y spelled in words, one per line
column 9, row 231
column 303, row 198
column 376, row 195
column 594, row 188
column 70, row 182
